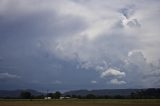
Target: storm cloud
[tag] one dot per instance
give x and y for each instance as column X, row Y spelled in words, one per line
column 112, row 43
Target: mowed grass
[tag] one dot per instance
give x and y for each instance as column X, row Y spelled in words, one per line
column 82, row 102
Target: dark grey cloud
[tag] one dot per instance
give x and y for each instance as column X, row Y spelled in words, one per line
column 128, row 11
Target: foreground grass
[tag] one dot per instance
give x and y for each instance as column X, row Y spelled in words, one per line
column 81, row 102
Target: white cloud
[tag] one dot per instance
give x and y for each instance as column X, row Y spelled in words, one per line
column 136, row 57
column 117, row 82
column 6, row 76
column 113, row 73
column 94, row 82
column 113, row 35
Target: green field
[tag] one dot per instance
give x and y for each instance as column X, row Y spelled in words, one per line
column 82, row 102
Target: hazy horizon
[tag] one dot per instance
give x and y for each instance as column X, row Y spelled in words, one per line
column 79, row 44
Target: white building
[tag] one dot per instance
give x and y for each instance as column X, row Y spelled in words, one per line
column 47, row 98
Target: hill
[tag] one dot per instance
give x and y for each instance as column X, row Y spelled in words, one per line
column 109, row 92
column 16, row 93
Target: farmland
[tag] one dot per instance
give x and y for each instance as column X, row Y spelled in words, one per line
column 81, row 102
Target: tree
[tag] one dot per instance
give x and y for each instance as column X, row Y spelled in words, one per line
column 90, row 96
column 57, row 95
column 50, row 95
column 25, row 95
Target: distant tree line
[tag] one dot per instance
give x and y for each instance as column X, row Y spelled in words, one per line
column 152, row 93
column 55, row 95
column 28, row 95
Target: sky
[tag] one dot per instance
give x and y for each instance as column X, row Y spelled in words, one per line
column 79, row 44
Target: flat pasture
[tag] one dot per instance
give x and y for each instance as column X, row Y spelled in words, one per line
column 81, row 102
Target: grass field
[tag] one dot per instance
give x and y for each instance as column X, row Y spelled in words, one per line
column 82, row 102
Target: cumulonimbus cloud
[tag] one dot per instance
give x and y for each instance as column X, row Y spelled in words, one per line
column 110, row 37
column 98, row 35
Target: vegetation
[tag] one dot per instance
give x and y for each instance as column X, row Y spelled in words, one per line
column 55, row 95
column 25, row 95
column 139, row 98
column 147, row 94
column 151, row 93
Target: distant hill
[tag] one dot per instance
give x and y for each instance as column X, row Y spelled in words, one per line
column 109, row 92
column 16, row 93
